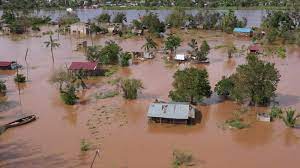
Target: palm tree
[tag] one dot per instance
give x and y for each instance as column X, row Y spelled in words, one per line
column 290, row 118
column 150, row 44
column 52, row 43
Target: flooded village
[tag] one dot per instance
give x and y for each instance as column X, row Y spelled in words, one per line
column 137, row 88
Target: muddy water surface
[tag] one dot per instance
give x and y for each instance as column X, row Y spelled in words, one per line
column 120, row 129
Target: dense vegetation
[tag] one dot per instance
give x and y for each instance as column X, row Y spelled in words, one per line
column 131, row 87
column 2, row 88
column 34, row 4
column 255, row 81
column 190, row 85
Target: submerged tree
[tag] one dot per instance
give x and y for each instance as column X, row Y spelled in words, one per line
column 289, row 117
column 20, row 78
column 177, row 18
column 224, row 87
column 255, row 81
column 150, row 44
column 131, row 87
column 230, row 21
column 103, row 18
column 152, row 23
column 52, row 43
column 172, row 43
column 120, row 18
column 68, row 95
column 124, row 58
column 2, row 88
column 190, row 85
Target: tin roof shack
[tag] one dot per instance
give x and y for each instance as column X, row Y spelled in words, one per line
column 9, row 65
column 243, row 31
column 173, row 112
column 89, row 68
column 79, row 28
column 255, row 49
column 180, row 57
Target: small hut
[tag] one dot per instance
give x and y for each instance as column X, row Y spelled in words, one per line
column 90, row 68
column 173, row 112
column 8, row 65
column 79, row 28
column 180, row 57
column 243, row 31
column 255, row 49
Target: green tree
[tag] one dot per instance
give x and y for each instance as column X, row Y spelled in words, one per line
column 131, row 87
column 190, row 85
column 230, row 21
column 68, row 95
column 120, row 18
column 177, row 19
column 103, row 18
column 172, row 43
column 52, row 43
column 109, row 54
column 290, row 117
column 2, row 88
column 150, row 44
column 257, row 81
column 125, row 57
column 68, row 19
column 20, row 78
column 152, row 23
column 224, row 87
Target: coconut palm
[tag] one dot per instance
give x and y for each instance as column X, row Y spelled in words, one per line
column 150, row 44
column 290, row 117
column 193, row 44
column 52, row 43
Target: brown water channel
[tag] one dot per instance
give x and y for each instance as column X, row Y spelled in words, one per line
column 120, row 129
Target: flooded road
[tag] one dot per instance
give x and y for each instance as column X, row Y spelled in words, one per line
column 120, row 129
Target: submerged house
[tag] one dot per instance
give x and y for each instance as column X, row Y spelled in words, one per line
column 173, row 112
column 255, row 49
column 90, row 68
column 8, row 65
column 243, row 31
column 79, row 28
column 180, row 57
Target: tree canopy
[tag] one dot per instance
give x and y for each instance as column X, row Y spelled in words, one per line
column 172, row 43
column 190, row 85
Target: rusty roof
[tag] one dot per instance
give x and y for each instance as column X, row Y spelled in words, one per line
column 83, row 66
column 5, row 63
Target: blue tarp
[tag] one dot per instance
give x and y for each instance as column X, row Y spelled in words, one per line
column 242, row 30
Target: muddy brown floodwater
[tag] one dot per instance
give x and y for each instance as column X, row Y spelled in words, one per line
column 120, row 129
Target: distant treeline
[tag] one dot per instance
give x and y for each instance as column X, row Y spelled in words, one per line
column 35, row 4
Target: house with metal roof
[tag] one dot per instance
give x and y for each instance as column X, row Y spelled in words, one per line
column 180, row 57
column 243, row 31
column 172, row 112
column 255, row 49
column 90, row 68
column 8, row 65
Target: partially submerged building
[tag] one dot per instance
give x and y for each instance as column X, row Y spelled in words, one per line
column 173, row 112
column 90, row 68
column 8, row 65
column 79, row 28
column 243, row 31
column 255, row 49
column 180, row 57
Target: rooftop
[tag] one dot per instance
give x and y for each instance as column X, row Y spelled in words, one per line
column 83, row 66
column 171, row 110
column 5, row 63
column 254, row 48
column 242, row 30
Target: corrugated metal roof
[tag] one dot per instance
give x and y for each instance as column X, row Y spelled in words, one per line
column 242, row 30
column 180, row 57
column 5, row 63
column 171, row 110
column 83, row 66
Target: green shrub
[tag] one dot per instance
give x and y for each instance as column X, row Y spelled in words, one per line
column 68, row 96
column 125, row 57
column 180, row 158
column 130, row 88
column 290, row 117
column 2, row 88
column 20, row 78
column 275, row 112
column 84, row 145
column 236, row 123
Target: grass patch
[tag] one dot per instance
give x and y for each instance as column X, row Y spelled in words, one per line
column 111, row 71
column 106, row 95
column 236, row 123
column 84, row 145
column 114, row 81
column 181, row 159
